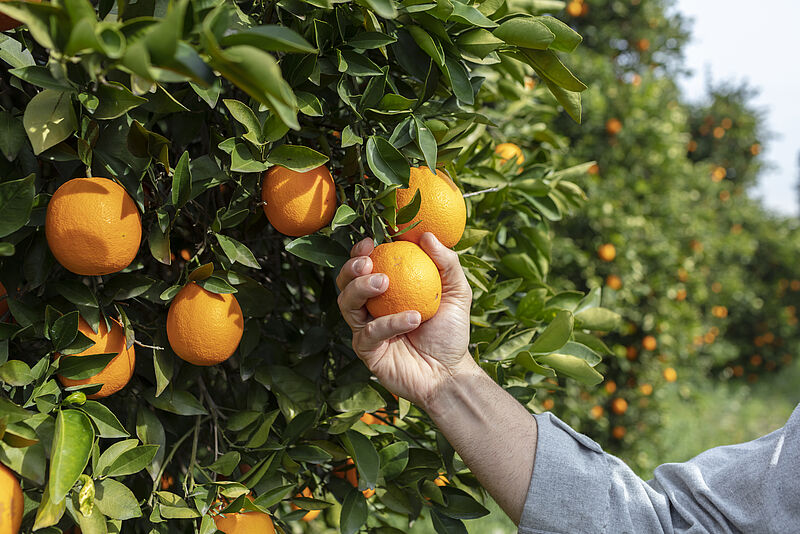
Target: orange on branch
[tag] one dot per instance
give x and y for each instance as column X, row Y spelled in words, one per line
column 619, row 432
column 508, row 152
column 93, row 226
column 670, row 375
column 613, row 126
column 614, row 282
column 414, row 280
column 607, row 252
column 649, row 343
column 244, row 522
column 298, row 203
column 442, row 212
column 204, row 328
column 349, row 472
column 312, row 514
column 619, row 406
column 11, row 502
column 119, row 370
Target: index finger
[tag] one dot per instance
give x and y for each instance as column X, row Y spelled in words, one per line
column 362, row 248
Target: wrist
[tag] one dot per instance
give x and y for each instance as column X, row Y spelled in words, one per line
column 454, row 389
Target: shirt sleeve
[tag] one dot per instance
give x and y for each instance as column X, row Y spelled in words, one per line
column 576, row 488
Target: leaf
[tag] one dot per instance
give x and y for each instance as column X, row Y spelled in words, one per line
column 64, row 330
column 571, row 366
column 72, row 445
column 202, row 272
column 12, row 135
column 181, row 182
column 365, row 456
column 150, row 430
column 407, row 213
column 178, row 402
column 111, row 454
column 555, row 335
column 297, row 158
column 115, row 100
column 349, row 138
column 467, row 14
column 354, row 512
column 459, row 80
column 383, row 8
column 225, row 464
column 49, row 119
column 426, row 143
column 356, row 397
column 49, row 511
column 525, row 32
column 115, row 500
column 237, row 252
column 217, row 285
column 104, row 419
column 547, row 64
column 320, row 250
column 370, row 40
column 598, row 319
column 461, row 505
column 16, row 202
column 16, row 373
column 270, row 37
column 429, row 44
column 162, row 368
column 132, row 460
column 245, row 116
column 566, row 39
column 343, row 217
column 526, row 360
column 386, row 162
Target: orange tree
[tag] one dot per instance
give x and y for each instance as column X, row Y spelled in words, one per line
column 169, row 360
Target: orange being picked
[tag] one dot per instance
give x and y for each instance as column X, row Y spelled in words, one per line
column 93, row 226
column 349, row 472
column 11, row 502
column 118, row 371
column 414, row 281
column 509, row 151
column 244, row 522
column 312, row 514
column 298, row 203
column 8, row 23
column 204, row 328
column 442, row 212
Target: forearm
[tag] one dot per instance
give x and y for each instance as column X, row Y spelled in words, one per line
column 492, row 432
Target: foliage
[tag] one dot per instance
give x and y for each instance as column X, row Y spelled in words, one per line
column 186, row 104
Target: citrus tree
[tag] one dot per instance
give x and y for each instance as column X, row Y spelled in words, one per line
column 180, row 182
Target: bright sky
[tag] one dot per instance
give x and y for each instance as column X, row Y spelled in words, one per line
column 734, row 41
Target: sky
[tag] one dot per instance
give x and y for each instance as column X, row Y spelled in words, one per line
column 733, row 40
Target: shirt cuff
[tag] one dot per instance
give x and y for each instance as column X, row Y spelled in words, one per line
column 569, row 489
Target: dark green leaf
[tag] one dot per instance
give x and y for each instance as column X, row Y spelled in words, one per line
column 16, row 202
column 295, row 157
column 72, row 445
column 386, row 162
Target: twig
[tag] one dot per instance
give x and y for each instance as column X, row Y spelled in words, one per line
column 482, row 191
column 193, row 459
column 164, row 464
column 137, row 342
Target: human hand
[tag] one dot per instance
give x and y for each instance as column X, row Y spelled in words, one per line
column 411, row 360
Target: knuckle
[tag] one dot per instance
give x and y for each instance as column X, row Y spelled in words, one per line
column 340, row 300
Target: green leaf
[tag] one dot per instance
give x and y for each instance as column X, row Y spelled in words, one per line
column 132, row 460
column 72, row 445
column 478, row 42
column 16, row 373
column 237, row 252
column 49, row 119
column 111, row 454
column 270, row 37
column 108, row 426
column 461, row 505
column 115, row 100
column 555, row 335
column 83, row 367
column 370, row 40
column 525, row 32
column 247, row 118
column 354, row 512
column 386, row 162
column 429, row 44
column 150, row 430
column 526, row 360
column 459, row 80
column 115, row 500
column 365, row 456
column 547, row 65
column 383, row 8
column 49, row 512
column 178, row 402
column 64, row 330
column 181, row 182
column 598, row 319
column 225, row 464
column 12, row 134
column 309, row 104
column 297, row 158
column 566, row 39
column 162, row 367
column 319, row 249
column 407, row 213
column 426, row 142
column 215, row 284
column 571, row 366
column 344, row 215
column 511, row 347
column 349, row 138
column 467, row 14
column 16, row 202
column 355, row 397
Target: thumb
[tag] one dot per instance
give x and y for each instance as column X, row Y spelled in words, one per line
column 454, row 283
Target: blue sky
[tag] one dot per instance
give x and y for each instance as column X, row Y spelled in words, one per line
column 734, row 40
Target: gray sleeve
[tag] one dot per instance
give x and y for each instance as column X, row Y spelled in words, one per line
column 577, row 488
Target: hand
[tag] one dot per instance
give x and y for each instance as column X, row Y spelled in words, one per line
column 411, row 360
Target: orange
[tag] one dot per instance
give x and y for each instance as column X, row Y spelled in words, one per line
column 643, row 45
column 442, row 211
column 574, row 9
column 441, row 481
column 649, row 343
column 607, row 252
column 631, row 353
column 204, row 328
column 370, row 419
column 611, row 387
column 614, row 282
column 619, row 432
column 244, row 523
column 596, row 412
column 414, row 281
column 11, row 502
column 680, row 295
column 185, row 254
column 594, row 169
column 118, row 371
column 93, row 226
column 613, row 126
column 312, row 514
column 619, row 406
column 7, row 23
column 298, row 203
column 548, row 404
column 349, row 472
column 670, row 375
column 646, row 389
column 509, row 151
column 3, row 299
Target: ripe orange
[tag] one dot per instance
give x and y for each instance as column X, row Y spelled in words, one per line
column 670, row 375
column 349, row 472
column 548, row 404
column 370, row 419
column 119, row 370
column 755, row 149
column 244, row 523
column 596, row 412
column 7, row 23
column 414, row 281
column 574, row 9
column 613, row 126
column 509, row 151
column 646, row 389
column 643, row 45
column 614, row 282
column 619, row 432
column 93, row 226
column 610, row 387
column 594, row 169
column 607, row 252
column 680, row 295
column 312, row 514
column 298, row 203
column 442, row 212
column 185, row 254
column 649, row 343
column 204, row 328
column 11, row 502
column 3, row 299
column 631, row 353
column 619, row 406
column 441, row 481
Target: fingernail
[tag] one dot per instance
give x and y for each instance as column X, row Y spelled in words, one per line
column 358, row 265
column 377, row 281
column 413, row 318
